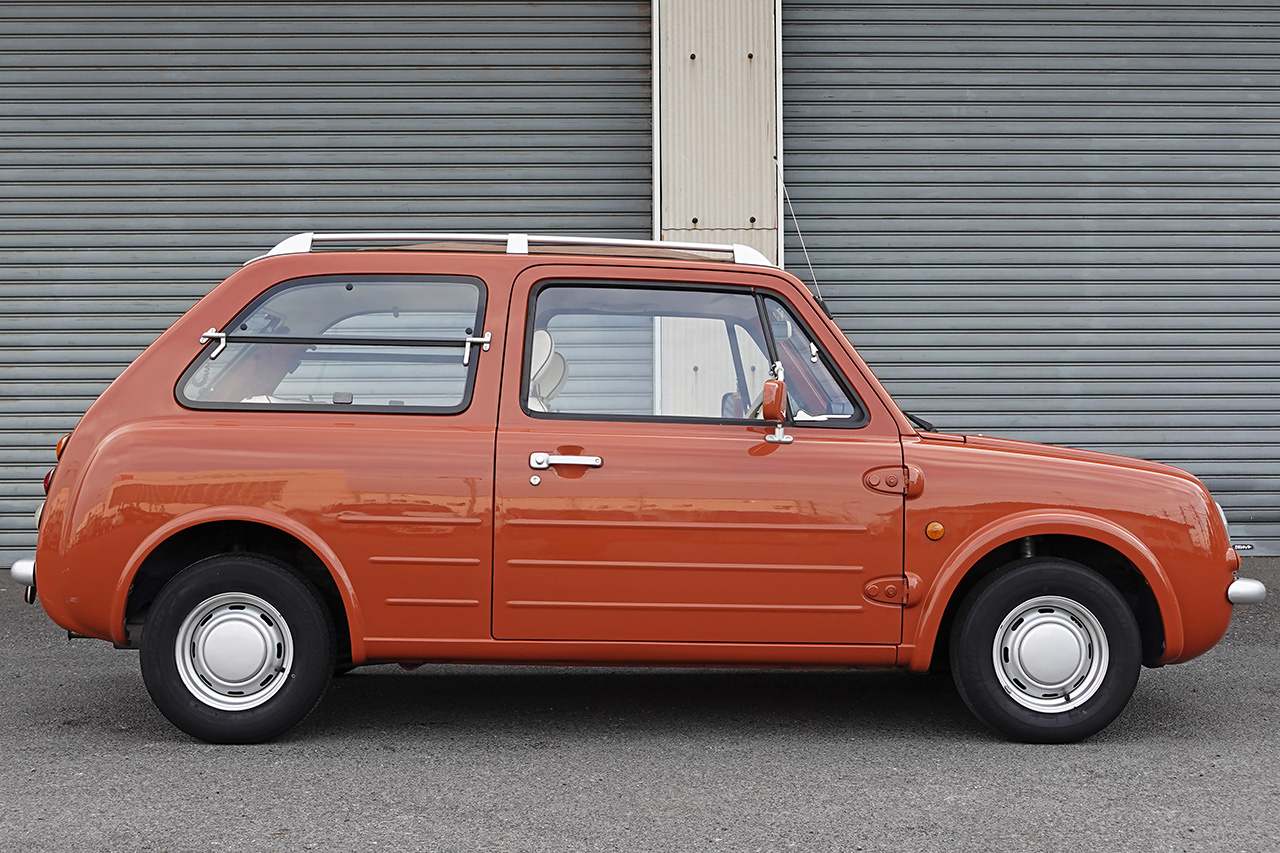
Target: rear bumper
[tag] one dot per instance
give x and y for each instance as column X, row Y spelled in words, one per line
column 1246, row 591
column 24, row 572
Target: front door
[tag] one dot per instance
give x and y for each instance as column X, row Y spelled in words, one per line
column 637, row 495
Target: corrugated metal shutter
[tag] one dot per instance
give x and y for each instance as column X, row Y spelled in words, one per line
column 149, row 148
column 1054, row 221
column 608, row 363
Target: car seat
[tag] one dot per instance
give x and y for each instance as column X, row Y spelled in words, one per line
column 547, row 372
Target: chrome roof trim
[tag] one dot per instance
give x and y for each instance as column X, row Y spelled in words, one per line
column 517, row 244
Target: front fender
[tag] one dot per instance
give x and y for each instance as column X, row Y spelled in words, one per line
column 1041, row 523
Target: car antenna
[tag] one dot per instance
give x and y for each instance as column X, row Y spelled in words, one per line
column 812, row 276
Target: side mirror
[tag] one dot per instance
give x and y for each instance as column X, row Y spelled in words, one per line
column 773, row 407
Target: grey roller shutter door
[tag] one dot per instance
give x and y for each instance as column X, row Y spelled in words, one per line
column 147, row 149
column 1055, row 222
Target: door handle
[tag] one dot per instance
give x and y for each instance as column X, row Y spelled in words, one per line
column 543, row 461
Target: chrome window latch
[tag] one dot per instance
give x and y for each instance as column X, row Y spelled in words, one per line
column 484, row 345
column 220, row 337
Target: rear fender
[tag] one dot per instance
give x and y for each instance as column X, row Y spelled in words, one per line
column 254, row 515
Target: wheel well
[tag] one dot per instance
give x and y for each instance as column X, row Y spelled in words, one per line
column 1103, row 559
column 234, row 537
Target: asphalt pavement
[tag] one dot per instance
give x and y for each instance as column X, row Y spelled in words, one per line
column 461, row 758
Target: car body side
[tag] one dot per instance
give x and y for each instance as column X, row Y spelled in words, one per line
column 141, row 472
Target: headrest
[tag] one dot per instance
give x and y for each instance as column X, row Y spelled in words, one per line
column 542, row 349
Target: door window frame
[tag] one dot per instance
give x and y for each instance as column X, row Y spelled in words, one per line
column 861, row 419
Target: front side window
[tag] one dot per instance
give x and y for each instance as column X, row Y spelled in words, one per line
column 813, row 392
column 362, row 343
column 646, row 351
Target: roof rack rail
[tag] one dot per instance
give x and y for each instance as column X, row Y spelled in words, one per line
column 517, row 244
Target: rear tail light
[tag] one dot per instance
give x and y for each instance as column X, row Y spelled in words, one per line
column 62, row 445
column 47, row 478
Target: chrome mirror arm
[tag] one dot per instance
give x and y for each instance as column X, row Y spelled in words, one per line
column 779, row 436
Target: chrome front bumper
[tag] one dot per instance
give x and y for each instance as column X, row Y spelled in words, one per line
column 1246, row 591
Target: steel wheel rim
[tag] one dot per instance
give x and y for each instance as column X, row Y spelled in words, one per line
column 1051, row 654
column 234, row 651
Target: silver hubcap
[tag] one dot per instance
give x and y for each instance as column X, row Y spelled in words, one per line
column 234, row 651
column 1051, row 654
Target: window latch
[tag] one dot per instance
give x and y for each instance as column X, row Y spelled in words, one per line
column 466, row 350
column 220, row 337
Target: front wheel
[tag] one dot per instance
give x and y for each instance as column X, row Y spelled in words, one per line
column 237, row 649
column 1046, row 651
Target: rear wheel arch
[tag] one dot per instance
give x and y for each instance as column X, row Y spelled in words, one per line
column 188, row 545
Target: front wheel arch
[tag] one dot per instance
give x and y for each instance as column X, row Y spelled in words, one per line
column 1118, row 569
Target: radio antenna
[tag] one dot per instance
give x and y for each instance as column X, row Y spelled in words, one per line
column 786, row 195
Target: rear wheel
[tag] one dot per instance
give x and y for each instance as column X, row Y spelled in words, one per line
column 1046, row 651
column 237, row 649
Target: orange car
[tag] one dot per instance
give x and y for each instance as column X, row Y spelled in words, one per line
column 461, row 448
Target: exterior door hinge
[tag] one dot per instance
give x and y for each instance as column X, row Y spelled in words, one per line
column 905, row 480
column 895, row 589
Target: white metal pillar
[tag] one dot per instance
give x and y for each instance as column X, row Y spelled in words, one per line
column 717, row 115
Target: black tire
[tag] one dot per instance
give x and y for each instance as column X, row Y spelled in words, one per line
column 1069, row 651
column 257, row 651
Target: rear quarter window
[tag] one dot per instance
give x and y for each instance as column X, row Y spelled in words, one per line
column 359, row 343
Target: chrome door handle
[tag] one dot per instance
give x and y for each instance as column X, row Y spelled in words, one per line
column 542, row 461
